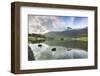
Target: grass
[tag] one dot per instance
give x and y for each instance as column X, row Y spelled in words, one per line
column 35, row 39
column 81, row 39
column 32, row 39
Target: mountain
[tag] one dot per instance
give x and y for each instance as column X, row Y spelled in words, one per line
column 68, row 33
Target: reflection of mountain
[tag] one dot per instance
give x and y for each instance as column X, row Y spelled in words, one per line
column 69, row 33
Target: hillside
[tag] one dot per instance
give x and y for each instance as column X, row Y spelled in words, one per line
column 68, row 33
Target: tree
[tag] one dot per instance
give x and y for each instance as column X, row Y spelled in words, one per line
column 69, row 28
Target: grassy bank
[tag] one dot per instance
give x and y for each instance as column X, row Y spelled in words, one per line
column 32, row 39
column 81, row 38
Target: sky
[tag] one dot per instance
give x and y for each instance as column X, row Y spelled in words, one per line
column 43, row 24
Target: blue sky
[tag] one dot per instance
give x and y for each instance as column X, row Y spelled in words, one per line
column 74, row 21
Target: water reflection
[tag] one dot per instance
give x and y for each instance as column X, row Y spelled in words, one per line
column 51, row 50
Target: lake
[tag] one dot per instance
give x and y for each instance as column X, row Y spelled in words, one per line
column 55, row 49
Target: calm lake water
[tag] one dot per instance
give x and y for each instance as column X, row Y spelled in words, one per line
column 52, row 50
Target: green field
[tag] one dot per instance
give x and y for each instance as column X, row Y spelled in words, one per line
column 81, row 38
column 35, row 39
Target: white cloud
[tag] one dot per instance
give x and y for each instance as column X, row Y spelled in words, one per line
column 43, row 24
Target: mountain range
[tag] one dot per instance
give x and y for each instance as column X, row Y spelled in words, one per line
column 68, row 33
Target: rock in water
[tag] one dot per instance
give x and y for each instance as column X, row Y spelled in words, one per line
column 39, row 45
column 53, row 49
